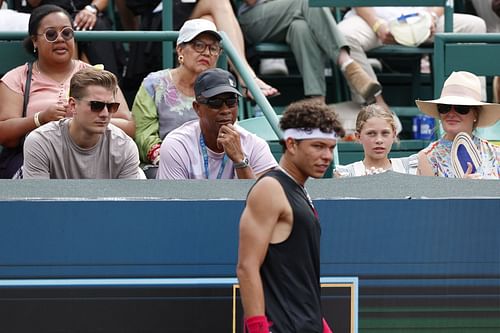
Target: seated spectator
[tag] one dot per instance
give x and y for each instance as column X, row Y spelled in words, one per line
column 214, row 147
column 313, row 37
column 165, row 98
column 220, row 12
column 51, row 41
column 376, row 131
column 85, row 146
column 366, row 28
column 87, row 15
column 460, row 110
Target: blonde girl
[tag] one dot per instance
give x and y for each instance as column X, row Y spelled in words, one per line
column 376, row 131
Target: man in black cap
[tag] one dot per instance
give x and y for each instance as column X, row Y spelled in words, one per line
column 214, row 147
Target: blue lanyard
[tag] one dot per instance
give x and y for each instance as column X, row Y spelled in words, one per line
column 205, row 158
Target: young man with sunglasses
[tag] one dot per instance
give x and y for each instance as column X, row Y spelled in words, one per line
column 213, row 146
column 85, row 146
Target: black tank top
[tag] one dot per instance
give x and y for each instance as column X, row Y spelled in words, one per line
column 290, row 272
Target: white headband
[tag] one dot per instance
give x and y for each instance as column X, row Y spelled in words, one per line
column 301, row 134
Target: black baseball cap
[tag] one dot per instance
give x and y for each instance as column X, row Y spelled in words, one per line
column 213, row 82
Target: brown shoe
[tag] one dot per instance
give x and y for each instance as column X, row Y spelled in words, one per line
column 361, row 82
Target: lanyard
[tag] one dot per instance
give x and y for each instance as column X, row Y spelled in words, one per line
column 205, row 159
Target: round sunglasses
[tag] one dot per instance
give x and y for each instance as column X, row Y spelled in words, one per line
column 52, row 34
column 460, row 109
column 98, row 106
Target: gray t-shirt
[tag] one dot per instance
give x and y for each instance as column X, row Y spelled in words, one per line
column 49, row 152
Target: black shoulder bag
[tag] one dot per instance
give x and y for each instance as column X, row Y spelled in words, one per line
column 11, row 159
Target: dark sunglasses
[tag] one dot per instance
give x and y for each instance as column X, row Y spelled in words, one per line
column 52, row 34
column 200, row 47
column 216, row 103
column 97, row 106
column 460, row 109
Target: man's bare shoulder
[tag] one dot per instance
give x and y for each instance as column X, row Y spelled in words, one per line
column 267, row 192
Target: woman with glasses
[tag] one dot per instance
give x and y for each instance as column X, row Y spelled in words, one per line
column 51, row 41
column 165, row 98
column 87, row 15
column 460, row 110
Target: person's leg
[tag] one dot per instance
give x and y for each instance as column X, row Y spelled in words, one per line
column 280, row 21
column 269, row 21
column 310, row 59
column 332, row 42
column 464, row 23
column 223, row 16
column 360, row 38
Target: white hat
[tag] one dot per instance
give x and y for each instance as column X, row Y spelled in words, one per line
column 192, row 28
column 463, row 88
column 411, row 29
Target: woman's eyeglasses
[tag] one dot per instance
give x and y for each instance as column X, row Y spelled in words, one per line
column 216, row 103
column 97, row 106
column 52, row 34
column 460, row 109
column 200, row 47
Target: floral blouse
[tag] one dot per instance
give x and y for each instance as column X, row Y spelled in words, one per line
column 439, row 156
column 158, row 109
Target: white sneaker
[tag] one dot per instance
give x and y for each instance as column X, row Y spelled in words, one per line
column 273, row 66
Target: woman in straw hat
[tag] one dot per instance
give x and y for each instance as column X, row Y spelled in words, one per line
column 460, row 110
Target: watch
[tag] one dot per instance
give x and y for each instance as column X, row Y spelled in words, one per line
column 92, row 8
column 243, row 164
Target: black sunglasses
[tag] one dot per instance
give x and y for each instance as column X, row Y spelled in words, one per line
column 460, row 109
column 97, row 106
column 52, row 34
column 216, row 103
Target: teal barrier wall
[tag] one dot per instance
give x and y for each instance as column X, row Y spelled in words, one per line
column 426, row 250
column 366, row 238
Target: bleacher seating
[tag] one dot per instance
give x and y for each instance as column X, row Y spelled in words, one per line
column 424, row 265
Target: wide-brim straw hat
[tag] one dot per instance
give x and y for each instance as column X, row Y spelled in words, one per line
column 463, row 88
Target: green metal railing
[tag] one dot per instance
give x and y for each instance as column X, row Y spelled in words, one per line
column 163, row 36
column 447, row 4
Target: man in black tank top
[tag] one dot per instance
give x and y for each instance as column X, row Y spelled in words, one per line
column 278, row 264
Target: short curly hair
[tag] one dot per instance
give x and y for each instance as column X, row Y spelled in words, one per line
column 310, row 114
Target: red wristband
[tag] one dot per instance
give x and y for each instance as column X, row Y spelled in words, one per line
column 326, row 328
column 257, row 324
column 154, row 152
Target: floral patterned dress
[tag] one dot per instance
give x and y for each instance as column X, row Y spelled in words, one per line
column 439, row 156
